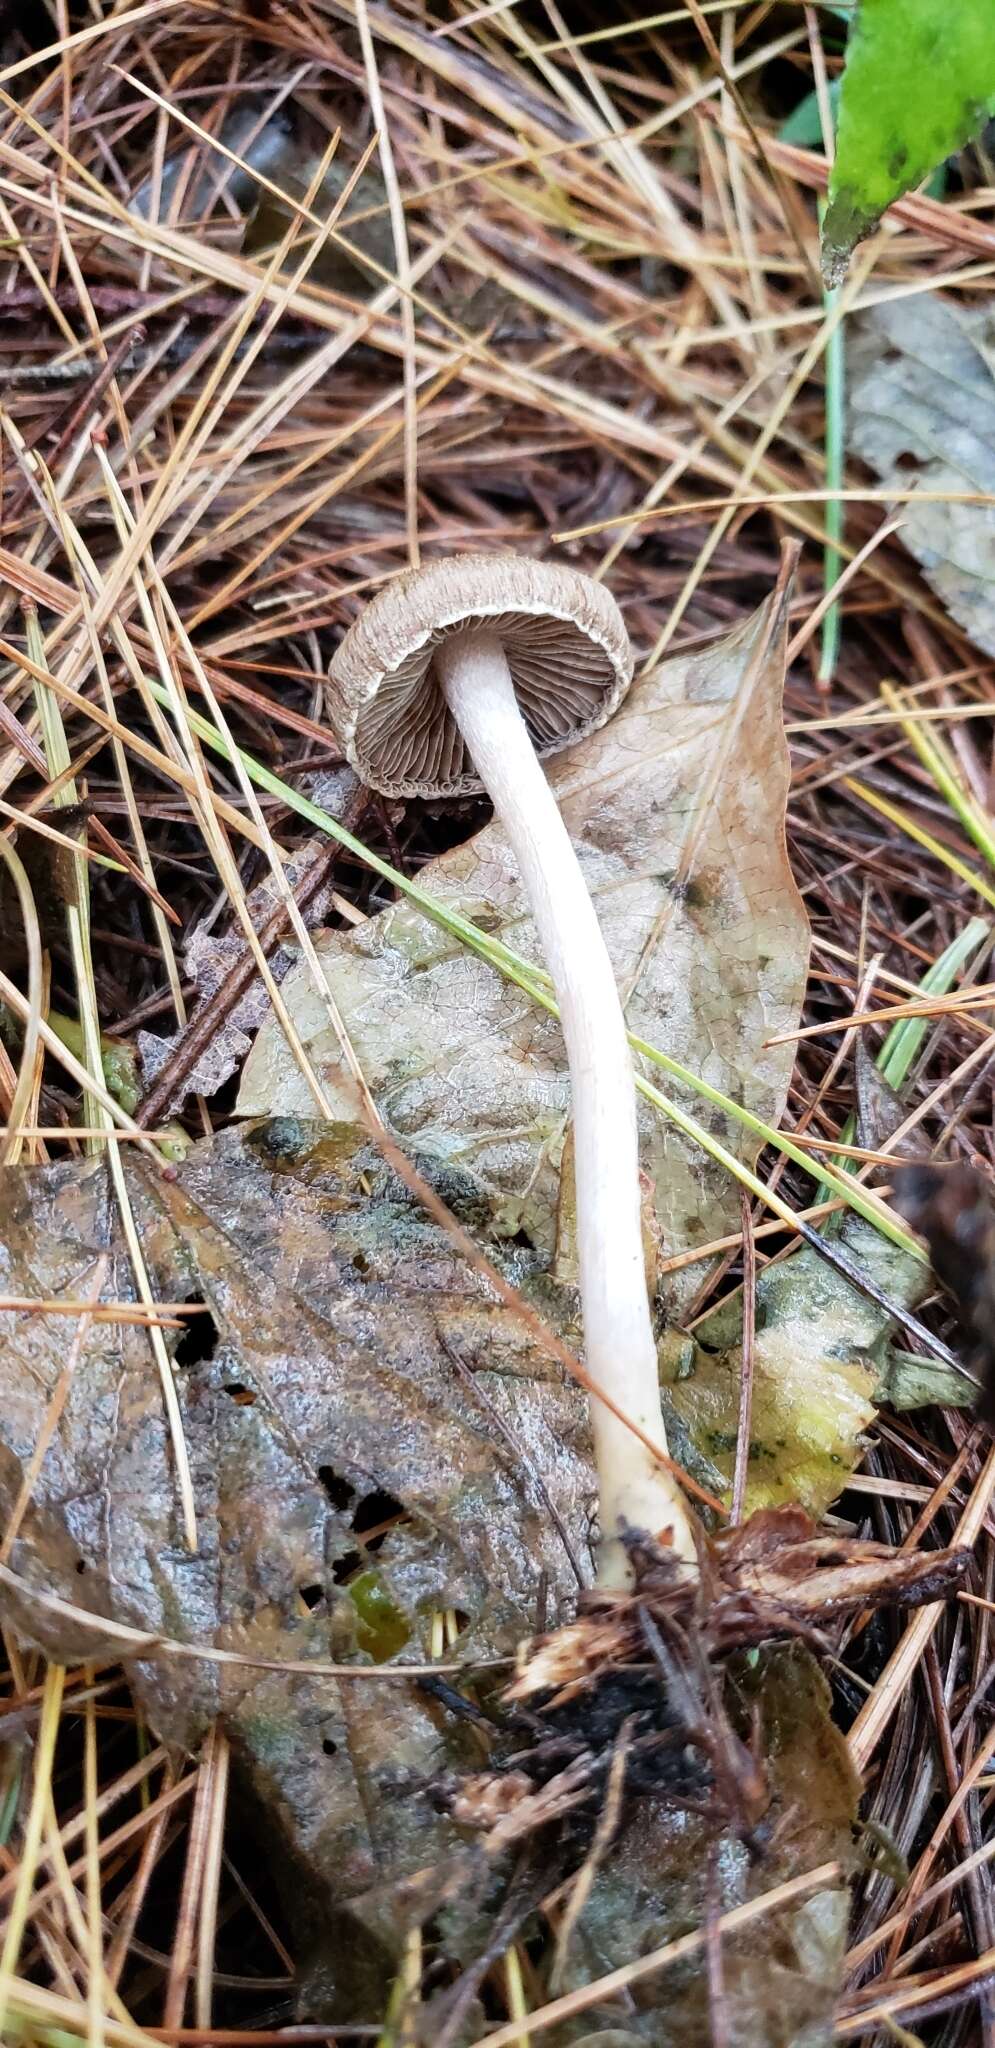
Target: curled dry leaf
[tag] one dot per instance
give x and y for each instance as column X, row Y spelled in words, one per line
column 777, row 1565
column 922, row 415
column 773, row 1575
column 677, row 812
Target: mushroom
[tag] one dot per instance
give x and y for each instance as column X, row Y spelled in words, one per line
column 452, row 680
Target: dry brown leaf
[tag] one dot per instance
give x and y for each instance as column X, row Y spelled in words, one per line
column 922, row 415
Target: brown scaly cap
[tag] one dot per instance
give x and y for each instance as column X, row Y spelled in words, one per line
column 562, row 633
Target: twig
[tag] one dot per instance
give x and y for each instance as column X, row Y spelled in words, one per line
column 741, row 1466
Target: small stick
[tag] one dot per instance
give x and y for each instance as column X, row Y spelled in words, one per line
column 746, row 1369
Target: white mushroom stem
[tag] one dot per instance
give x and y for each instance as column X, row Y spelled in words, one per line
column 618, row 1335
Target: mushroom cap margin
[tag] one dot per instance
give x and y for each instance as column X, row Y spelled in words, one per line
column 563, row 635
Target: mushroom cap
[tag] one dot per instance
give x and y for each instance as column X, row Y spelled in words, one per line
column 565, row 643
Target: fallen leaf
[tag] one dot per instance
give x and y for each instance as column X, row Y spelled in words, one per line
column 820, row 1354
column 677, row 812
column 788, row 1577
column 918, row 83
column 279, row 155
column 729, row 1776
column 320, row 1404
column 349, row 1485
column 781, row 1976
column 922, row 416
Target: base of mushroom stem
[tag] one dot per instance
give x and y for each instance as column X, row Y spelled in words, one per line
column 618, row 1555
column 645, row 1498
column 772, row 1576
column 639, row 1682
column 632, row 1685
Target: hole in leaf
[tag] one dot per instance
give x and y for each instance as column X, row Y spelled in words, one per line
column 243, row 1395
column 199, row 1337
column 906, row 460
column 374, row 1516
column 312, row 1596
column 81, row 1565
column 330, row 1748
column 339, row 1491
column 360, row 1263
column 343, row 1568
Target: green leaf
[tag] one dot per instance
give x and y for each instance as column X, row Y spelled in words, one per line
column 919, row 83
column 804, row 124
column 804, row 127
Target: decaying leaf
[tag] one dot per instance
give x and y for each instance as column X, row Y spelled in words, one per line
column 351, row 1483
column 908, row 1380
column 677, row 812
column 646, row 1709
column 824, row 1355
column 780, row 1977
column 820, row 1354
column 922, row 415
column 326, row 1406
